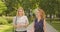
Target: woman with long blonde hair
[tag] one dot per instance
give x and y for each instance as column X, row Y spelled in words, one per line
column 20, row 21
column 39, row 22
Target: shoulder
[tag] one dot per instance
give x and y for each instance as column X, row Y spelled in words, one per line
column 25, row 16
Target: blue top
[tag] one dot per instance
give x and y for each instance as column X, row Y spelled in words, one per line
column 39, row 25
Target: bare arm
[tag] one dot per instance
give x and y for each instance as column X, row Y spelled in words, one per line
column 44, row 26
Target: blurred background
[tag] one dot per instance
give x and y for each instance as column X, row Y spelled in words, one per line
column 8, row 9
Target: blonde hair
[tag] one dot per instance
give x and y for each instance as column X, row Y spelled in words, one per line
column 19, row 9
column 42, row 12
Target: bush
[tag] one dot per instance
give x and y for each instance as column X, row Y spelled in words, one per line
column 6, row 20
column 3, row 21
column 10, row 29
column 9, row 19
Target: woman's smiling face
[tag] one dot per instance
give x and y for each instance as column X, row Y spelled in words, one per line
column 38, row 13
column 20, row 11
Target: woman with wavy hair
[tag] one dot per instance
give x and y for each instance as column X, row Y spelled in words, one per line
column 39, row 22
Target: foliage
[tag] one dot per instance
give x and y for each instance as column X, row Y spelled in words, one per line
column 51, row 7
column 3, row 21
column 2, row 7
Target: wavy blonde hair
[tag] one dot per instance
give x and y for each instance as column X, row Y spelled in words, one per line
column 41, row 12
column 19, row 9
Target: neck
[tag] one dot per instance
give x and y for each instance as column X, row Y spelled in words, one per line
column 20, row 15
column 39, row 18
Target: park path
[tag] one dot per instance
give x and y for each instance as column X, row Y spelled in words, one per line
column 48, row 26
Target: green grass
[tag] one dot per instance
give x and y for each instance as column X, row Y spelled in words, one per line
column 56, row 25
column 5, row 28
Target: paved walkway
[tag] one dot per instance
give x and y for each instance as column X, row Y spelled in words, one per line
column 48, row 26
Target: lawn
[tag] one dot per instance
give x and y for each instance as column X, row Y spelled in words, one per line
column 5, row 28
column 56, row 25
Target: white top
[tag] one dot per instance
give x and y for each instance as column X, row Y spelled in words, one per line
column 21, row 20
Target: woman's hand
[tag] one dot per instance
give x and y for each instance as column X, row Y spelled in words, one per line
column 22, row 25
column 18, row 25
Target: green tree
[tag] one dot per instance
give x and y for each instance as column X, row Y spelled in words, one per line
column 49, row 6
column 2, row 7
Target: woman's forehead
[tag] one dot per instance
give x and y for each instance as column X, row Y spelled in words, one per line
column 20, row 10
column 37, row 11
